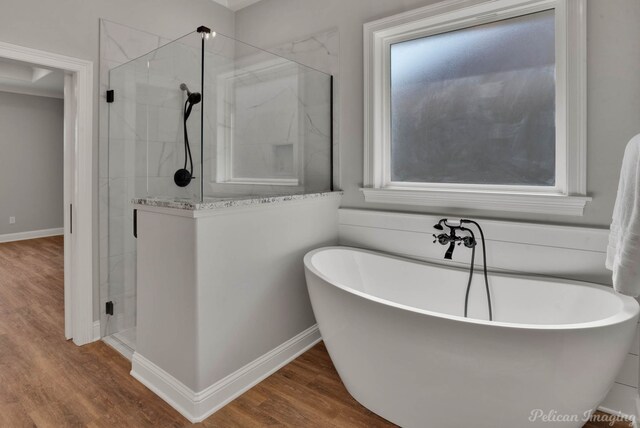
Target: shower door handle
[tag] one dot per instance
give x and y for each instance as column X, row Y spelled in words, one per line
column 70, row 218
column 135, row 223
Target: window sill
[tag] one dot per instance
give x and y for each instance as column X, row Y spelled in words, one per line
column 481, row 200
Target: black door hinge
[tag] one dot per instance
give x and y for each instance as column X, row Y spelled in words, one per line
column 109, row 308
column 110, row 96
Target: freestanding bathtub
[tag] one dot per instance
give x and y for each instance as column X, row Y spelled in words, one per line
column 395, row 332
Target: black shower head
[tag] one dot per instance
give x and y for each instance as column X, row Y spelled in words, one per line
column 439, row 225
column 193, row 97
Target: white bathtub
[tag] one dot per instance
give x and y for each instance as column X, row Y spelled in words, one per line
column 395, row 332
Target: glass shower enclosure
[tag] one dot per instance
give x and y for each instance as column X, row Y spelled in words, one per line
column 207, row 117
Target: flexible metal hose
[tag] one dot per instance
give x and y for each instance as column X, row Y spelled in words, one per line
column 484, row 256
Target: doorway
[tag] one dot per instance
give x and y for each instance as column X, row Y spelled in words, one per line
column 77, row 186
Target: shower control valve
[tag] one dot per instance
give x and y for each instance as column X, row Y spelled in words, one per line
column 442, row 239
column 468, row 242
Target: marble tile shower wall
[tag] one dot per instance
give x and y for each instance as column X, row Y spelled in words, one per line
column 320, row 51
column 267, row 118
column 280, row 114
column 317, row 131
column 263, row 138
column 159, row 149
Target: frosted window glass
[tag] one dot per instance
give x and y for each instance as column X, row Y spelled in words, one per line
column 476, row 105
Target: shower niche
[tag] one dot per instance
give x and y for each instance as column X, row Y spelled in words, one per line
column 258, row 130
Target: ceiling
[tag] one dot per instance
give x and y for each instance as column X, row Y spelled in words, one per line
column 236, row 5
column 25, row 78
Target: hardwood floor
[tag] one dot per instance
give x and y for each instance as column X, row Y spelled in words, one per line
column 46, row 381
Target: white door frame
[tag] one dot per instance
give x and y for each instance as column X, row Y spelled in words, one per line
column 78, row 185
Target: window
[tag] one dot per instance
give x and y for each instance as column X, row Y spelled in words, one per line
column 476, row 105
column 480, row 106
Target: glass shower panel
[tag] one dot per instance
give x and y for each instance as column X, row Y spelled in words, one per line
column 146, row 148
column 124, row 134
column 260, row 126
column 267, row 128
column 316, row 101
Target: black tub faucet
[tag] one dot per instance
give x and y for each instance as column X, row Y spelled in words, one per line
column 452, row 238
column 468, row 241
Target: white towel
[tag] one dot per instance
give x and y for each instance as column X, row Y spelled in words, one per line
column 623, row 251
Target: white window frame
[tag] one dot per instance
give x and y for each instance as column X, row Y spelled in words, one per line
column 568, row 196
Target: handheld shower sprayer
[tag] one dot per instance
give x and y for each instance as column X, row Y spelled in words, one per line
column 469, row 241
column 183, row 176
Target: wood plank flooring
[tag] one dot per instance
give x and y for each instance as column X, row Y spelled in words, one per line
column 46, row 381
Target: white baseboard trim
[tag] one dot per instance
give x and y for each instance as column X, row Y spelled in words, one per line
column 632, row 418
column 96, row 330
column 622, row 400
column 22, row 236
column 116, row 344
column 197, row 406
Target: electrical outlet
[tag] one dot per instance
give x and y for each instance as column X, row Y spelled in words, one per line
column 12, row 220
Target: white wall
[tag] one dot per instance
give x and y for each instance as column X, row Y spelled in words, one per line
column 31, row 163
column 71, row 27
column 613, row 89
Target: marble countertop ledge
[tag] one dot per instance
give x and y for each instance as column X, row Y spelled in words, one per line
column 221, row 203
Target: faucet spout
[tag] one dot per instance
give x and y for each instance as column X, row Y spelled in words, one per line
column 449, row 254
